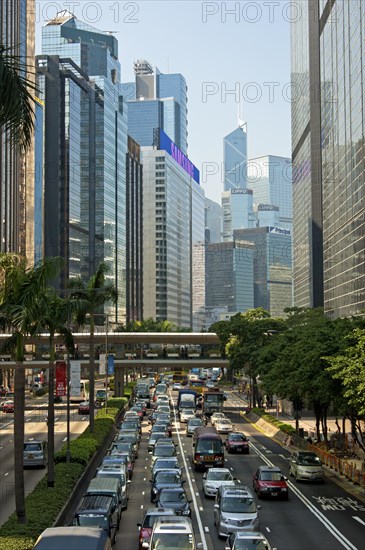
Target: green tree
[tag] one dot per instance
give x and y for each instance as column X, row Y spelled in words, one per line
column 16, row 99
column 91, row 295
column 56, row 313
column 21, row 289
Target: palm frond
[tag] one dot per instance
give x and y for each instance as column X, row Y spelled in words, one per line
column 16, row 99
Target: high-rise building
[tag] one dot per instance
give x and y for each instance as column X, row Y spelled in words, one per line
column 134, row 233
column 230, row 276
column 85, row 152
column 213, row 221
column 156, row 100
column 328, row 71
column 237, row 205
column 235, row 159
column 270, row 178
column 173, row 221
column 17, row 32
column 272, row 266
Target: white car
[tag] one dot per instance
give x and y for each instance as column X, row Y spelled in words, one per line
column 224, row 425
column 215, row 478
column 186, row 414
column 216, row 416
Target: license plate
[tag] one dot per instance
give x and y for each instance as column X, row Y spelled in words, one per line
column 30, row 456
column 209, row 458
column 274, row 494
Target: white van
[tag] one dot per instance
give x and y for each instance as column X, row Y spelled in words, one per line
column 173, row 532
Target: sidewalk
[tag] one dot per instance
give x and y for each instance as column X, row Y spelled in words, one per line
column 349, row 473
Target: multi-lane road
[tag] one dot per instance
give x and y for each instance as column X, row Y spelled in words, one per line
column 316, row 517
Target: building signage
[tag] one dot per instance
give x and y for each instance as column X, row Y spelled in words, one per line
column 61, row 371
column 279, row 230
column 75, row 372
column 166, row 144
column 267, row 208
column 241, row 192
column 110, row 363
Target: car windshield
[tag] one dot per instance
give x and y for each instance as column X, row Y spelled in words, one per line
column 111, row 473
column 172, row 496
column 164, row 450
column 208, row 446
column 94, row 519
column 237, row 437
column 167, row 478
column 271, row 476
column 172, row 541
column 195, row 422
column 32, row 447
column 149, row 521
column 250, row 544
column 165, row 464
column 238, row 505
column 309, row 460
column 188, row 411
column 224, row 421
column 219, row 476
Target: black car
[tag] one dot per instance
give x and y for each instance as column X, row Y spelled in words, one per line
column 154, row 436
column 176, row 499
column 165, row 479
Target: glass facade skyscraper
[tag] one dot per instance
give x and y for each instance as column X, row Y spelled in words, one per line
column 156, row 100
column 235, row 159
column 328, row 61
column 92, row 123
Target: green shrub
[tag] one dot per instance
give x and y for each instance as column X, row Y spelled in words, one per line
column 282, row 426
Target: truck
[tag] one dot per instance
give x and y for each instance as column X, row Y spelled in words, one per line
column 186, row 399
column 213, row 400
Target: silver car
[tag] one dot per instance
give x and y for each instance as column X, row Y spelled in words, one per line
column 215, row 478
column 35, row 453
column 235, row 510
column 306, row 466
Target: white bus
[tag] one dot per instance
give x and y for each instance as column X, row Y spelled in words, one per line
column 84, row 393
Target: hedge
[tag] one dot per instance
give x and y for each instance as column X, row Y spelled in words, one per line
column 44, row 504
column 282, row 426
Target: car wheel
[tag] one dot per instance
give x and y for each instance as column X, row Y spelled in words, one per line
column 296, row 477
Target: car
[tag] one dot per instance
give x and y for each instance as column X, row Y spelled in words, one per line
column 192, row 424
column 171, row 463
column 247, row 540
column 84, row 407
column 8, row 407
column 215, row 417
column 210, row 384
column 154, row 436
column 35, row 453
column 122, row 446
column 177, row 386
column 101, row 395
column 129, row 437
column 143, row 405
column 223, row 425
column 186, row 414
column 165, row 425
column 237, row 442
column 214, row 478
column 269, row 481
column 235, row 509
column 174, row 533
column 163, row 479
column 163, row 451
column 306, row 466
column 98, row 511
column 161, row 408
column 131, row 424
column 175, row 498
column 120, row 457
column 145, row 528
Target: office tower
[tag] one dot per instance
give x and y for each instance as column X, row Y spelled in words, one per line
column 235, row 159
column 213, row 221
column 328, row 53
column 272, row 267
column 229, row 276
column 270, row 178
column 85, row 152
column 237, row 200
column 17, row 31
column 134, row 232
column 156, row 100
column 173, row 221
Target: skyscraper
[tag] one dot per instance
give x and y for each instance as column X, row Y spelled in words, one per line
column 270, row 178
column 85, row 152
column 328, row 70
column 173, row 221
column 17, row 31
column 156, row 100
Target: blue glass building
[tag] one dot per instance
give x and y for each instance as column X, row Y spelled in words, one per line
column 92, row 125
column 156, row 100
column 235, row 159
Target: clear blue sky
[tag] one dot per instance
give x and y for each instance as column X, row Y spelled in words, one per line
column 247, row 51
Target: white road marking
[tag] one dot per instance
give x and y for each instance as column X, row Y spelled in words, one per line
column 315, row 511
column 359, row 519
column 197, row 493
column 267, row 529
column 64, row 439
column 201, row 507
column 206, row 529
column 143, row 493
column 7, row 473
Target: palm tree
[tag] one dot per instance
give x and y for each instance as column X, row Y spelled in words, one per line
column 56, row 313
column 16, row 99
column 20, row 313
column 92, row 294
